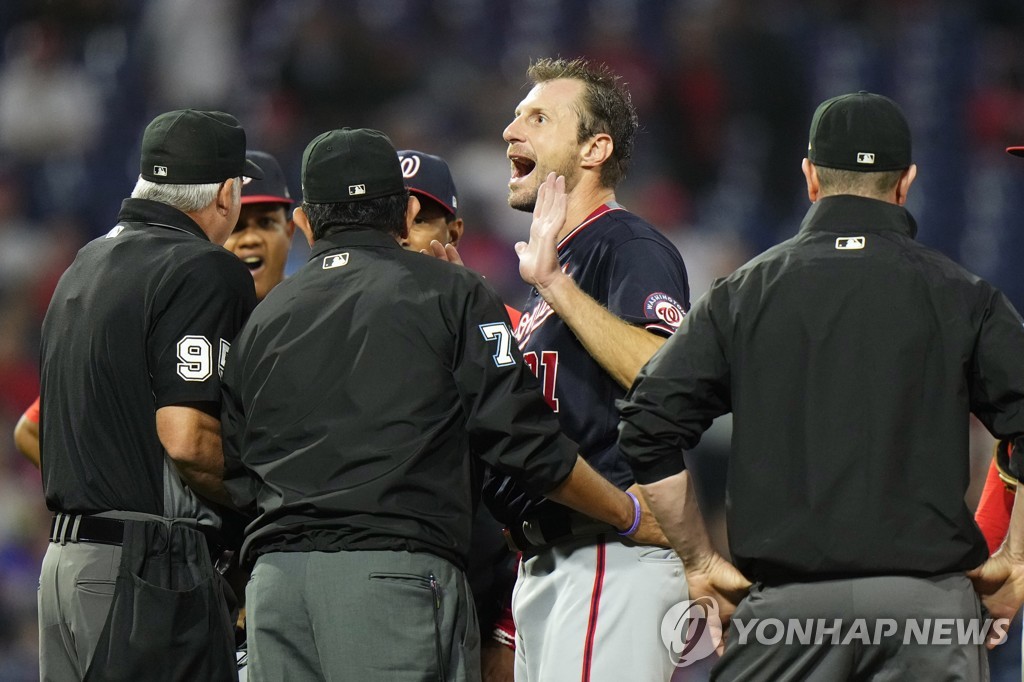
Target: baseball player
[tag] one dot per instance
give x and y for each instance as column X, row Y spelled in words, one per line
column 607, row 290
column 429, row 178
column 131, row 460
column 263, row 235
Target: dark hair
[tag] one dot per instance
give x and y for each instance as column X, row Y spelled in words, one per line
column 875, row 185
column 386, row 214
column 606, row 108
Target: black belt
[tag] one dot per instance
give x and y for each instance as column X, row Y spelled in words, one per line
column 541, row 532
column 66, row 528
column 78, row 528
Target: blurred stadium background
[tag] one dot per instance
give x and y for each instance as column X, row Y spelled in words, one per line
column 725, row 90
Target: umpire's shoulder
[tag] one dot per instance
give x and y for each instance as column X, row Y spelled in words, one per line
column 441, row 272
column 454, row 286
column 213, row 265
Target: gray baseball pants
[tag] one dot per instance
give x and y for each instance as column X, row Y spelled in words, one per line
column 364, row 616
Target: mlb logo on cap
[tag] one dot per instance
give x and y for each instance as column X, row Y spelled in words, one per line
column 844, row 126
column 350, row 165
column 201, row 146
column 428, row 176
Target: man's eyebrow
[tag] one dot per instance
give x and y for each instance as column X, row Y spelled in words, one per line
column 532, row 109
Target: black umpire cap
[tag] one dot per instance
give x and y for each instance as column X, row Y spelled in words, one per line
column 860, row 131
column 350, row 165
column 189, row 147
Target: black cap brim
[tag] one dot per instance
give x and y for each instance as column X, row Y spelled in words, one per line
column 1016, row 151
column 251, row 170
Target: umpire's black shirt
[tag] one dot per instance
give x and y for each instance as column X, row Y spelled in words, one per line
column 361, row 396
column 850, row 356
column 141, row 320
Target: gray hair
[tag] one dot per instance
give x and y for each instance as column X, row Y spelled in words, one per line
column 874, row 185
column 185, row 198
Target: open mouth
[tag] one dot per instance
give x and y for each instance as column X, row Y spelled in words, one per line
column 521, row 166
column 254, row 263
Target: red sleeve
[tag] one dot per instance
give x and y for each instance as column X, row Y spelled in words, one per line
column 32, row 413
column 993, row 513
column 504, row 631
column 513, row 316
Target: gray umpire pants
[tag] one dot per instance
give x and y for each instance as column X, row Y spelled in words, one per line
column 878, row 628
column 76, row 588
column 360, row 616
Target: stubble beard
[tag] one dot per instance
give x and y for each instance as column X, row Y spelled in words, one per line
column 526, row 198
column 523, row 201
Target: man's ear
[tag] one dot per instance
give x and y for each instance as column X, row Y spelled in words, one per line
column 811, row 175
column 412, row 209
column 903, row 186
column 597, row 150
column 225, row 197
column 455, row 231
column 300, row 219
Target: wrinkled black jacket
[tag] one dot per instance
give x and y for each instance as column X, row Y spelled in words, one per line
column 365, row 393
column 851, row 357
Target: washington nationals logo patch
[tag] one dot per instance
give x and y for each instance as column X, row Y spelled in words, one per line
column 665, row 308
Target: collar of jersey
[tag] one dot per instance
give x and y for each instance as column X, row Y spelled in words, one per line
column 598, row 212
column 159, row 215
column 847, row 212
column 357, row 235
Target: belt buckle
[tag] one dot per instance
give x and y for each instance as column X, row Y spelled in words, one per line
column 64, row 528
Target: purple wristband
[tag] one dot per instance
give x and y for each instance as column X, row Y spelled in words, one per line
column 636, row 516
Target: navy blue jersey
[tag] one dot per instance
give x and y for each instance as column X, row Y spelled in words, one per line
column 627, row 266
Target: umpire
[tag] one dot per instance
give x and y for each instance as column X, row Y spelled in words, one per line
column 851, row 357
column 360, row 401
column 133, row 345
